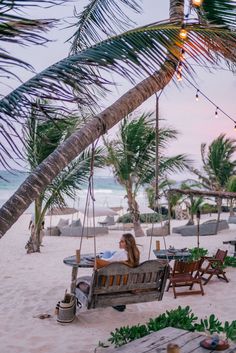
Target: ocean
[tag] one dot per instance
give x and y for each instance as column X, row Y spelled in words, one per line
column 107, row 191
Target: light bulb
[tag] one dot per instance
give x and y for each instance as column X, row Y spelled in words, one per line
column 182, row 57
column 197, row 2
column 197, row 96
column 183, row 33
column 179, row 76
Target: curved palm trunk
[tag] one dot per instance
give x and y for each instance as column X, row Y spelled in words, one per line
column 76, row 143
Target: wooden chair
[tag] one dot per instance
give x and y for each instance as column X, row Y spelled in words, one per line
column 119, row 284
column 185, row 274
column 214, row 266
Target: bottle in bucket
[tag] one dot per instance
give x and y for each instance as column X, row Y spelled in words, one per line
column 77, row 256
column 158, row 247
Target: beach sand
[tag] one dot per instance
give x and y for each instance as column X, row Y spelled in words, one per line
column 31, row 285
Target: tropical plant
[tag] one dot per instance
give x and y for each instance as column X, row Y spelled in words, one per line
column 231, row 187
column 218, row 166
column 132, row 158
column 182, row 318
column 41, row 138
column 153, row 51
column 193, row 203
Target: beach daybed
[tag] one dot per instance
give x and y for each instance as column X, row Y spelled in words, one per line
column 87, row 232
column 158, row 231
column 232, row 219
column 75, row 229
column 206, row 228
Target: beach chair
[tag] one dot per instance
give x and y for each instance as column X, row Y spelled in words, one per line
column 185, row 274
column 214, row 266
column 119, row 284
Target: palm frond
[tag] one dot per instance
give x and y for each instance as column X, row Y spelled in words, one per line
column 218, row 12
column 135, row 53
column 172, row 164
column 15, row 29
column 102, row 17
column 73, row 177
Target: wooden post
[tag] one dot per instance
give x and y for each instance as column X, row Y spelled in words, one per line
column 73, row 279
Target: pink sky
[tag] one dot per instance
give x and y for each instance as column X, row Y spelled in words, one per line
column 194, row 120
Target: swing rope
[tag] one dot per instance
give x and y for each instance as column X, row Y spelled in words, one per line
column 89, row 197
column 156, row 203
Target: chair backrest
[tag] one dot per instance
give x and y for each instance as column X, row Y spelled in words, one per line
column 221, row 255
column 119, row 283
column 182, row 267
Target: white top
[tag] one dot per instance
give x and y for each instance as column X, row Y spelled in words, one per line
column 119, row 255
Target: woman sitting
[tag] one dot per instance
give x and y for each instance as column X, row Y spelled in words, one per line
column 128, row 254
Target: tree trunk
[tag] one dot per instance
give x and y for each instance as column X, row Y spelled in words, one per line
column 77, row 142
column 134, row 211
column 219, row 203
column 34, row 242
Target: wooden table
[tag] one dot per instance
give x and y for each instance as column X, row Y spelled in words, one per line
column 189, row 342
column 172, row 255
column 85, row 262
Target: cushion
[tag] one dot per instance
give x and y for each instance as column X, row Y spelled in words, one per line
column 63, row 222
column 54, row 231
column 76, row 223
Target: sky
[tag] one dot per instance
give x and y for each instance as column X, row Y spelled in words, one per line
column 195, row 121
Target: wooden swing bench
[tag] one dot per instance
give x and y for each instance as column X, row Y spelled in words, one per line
column 119, row 284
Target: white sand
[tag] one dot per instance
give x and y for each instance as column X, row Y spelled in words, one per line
column 32, row 284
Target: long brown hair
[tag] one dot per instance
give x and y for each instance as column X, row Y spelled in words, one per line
column 132, row 250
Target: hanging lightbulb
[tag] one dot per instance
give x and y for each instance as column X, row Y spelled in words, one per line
column 197, row 96
column 197, row 2
column 183, row 33
column 182, row 57
column 179, row 76
column 216, row 112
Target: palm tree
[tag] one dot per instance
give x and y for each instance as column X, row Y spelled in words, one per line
column 231, row 187
column 154, row 50
column 132, row 158
column 218, row 166
column 41, row 139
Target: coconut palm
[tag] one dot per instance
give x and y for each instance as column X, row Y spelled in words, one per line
column 153, row 51
column 132, row 158
column 218, row 166
column 231, row 187
column 41, row 139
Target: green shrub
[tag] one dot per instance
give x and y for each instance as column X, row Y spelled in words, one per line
column 230, row 261
column 182, row 318
column 207, row 208
column 197, row 253
column 144, row 217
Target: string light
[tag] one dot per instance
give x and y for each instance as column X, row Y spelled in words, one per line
column 179, row 75
column 197, row 2
column 183, row 33
column 209, row 100
column 197, row 96
column 182, row 57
